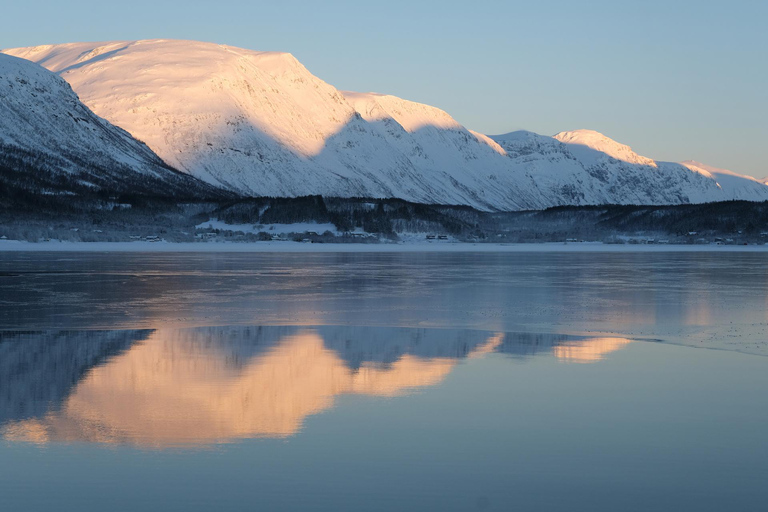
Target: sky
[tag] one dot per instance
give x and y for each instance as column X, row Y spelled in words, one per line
column 674, row 79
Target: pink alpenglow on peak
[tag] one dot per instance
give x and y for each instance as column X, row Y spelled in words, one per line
column 599, row 142
column 733, row 184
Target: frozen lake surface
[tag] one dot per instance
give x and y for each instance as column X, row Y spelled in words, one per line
column 709, row 299
column 383, row 381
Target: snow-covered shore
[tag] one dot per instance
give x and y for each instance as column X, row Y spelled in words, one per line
column 297, row 247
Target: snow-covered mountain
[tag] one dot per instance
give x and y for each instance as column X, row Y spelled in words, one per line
column 259, row 123
column 586, row 167
column 50, row 142
column 735, row 185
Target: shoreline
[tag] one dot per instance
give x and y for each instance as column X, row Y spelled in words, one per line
column 298, row 247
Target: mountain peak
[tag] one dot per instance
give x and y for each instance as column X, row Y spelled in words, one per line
column 599, row 142
column 709, row 170
column 183, row 54
column 410, row 115
column 189, row 87
column 518, row 136
column 736, row 185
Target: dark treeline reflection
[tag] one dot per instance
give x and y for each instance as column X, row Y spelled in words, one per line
column 169, row 387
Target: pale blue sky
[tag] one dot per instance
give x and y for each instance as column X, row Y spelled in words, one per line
column 675, row 79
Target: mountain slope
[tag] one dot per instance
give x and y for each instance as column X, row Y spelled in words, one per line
column 586, row 167
column 596, row 141
column 259, row 123
column 735, row 185
column 51, row 143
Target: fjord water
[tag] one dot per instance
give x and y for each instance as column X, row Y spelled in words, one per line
column 383, row 381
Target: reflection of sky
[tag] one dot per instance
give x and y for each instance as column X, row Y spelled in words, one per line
column 203, row 386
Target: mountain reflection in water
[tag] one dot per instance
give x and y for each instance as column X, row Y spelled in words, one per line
column 203, row 386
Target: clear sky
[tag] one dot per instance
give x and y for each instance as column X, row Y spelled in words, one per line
column 675, row 79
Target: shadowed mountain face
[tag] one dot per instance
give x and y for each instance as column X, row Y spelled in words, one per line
column 210, row 385
column 39, row 369
column 259, row 123
column 50, row 143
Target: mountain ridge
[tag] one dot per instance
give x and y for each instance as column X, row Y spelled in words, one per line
column 259, row 123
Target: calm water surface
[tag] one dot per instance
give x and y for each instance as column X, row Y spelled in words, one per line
column 383, row 382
